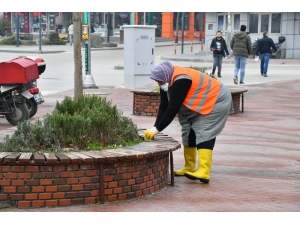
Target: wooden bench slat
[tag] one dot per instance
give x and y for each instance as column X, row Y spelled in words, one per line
column 84, row 158
column 25, row 157
column 62, row 158
column 12, row 157
column 51, row 158
column 38, row 158
column 3, row 155
column 73, row 158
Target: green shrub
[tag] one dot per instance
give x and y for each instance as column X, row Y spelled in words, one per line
column 201, row 69
column 84, row 123
column 9, row 41
column 59, row 42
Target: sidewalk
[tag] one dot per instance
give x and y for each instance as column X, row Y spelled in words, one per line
column 256, row 160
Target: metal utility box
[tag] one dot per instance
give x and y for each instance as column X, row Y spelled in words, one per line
column 18, row 71
column 139, row 57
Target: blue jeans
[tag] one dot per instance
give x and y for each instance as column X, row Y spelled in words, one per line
column 264, row 62
column 217, row 63
column 71, row 38
column 239, row 64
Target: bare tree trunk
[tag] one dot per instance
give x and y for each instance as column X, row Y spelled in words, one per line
column 78, row 86
column 177, row 25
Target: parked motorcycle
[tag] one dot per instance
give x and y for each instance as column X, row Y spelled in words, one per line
column 274, row 54
column 15, row 75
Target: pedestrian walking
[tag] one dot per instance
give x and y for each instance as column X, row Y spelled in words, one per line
column 71, row 32
column 202, row 103
column 219, row 47
column 263, row 48
column 241, row 50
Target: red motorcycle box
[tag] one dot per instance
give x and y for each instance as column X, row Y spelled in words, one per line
column 18, row 71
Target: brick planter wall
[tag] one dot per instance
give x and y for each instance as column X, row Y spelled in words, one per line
column 146, row 103
column 103, row 176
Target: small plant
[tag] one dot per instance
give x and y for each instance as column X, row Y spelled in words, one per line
column 201, row 69
column 87, row 123
column 9, row 41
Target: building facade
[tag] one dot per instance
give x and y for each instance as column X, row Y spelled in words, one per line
column 278, row 24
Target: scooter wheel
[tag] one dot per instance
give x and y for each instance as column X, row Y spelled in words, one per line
column 32, row 106
column 21, row 114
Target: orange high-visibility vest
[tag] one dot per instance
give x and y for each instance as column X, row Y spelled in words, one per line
column 203, row 93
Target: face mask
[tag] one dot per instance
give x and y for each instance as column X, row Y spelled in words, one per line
column 165, row 87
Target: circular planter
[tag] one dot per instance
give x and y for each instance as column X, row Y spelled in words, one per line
column 61, row 179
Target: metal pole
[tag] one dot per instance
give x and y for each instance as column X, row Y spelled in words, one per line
column 40, row 33
column 144, row 18
column 18, row 29
column 182, row 32
column 229, row 32
column 88, row 80
column 108, row 27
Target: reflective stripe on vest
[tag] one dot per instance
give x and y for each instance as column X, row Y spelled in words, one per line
column 203, row 92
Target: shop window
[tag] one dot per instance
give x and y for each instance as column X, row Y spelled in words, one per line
column 222, row 22
column 236, row 22
column 275, row 23
column 186, row 21
column 264, row 23
column 253, row 23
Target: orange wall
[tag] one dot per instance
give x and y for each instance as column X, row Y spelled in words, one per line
column 167, row 27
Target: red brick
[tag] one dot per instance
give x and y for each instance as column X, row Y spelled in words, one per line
column 17, row 182
column 51, row 189
column 84, row 180
column 91, row 173
column 59, row 195
column 151, row 177
column 32, row 169
column 151, row 189
column 64, row 202
column 11, row 176
column 65, row 188
column 23, row 204
column 112, row 184
column 108, row 178
column 39, row 175
column 154, row 182
column 59, row 168
column 142, row 186
column 4, row 182
column 23, row 189
column 46, row 182
column 3, row 197
column 16, row 197
column 95, row 179
column 83, row 194
column 46, row 169
column 31, row 196
column 1, row 175
column 65, row 174
column 90, row 200
column 139, row 167
column 126, row 189
column 131, row 169
column 72, row 181
column 18, row 169
column 77, row 201
column 139, row 180
column 71, row 194
column 72, row 167
column 107, row 191
column 146, row 178
column 122, row 196
column 32, row 182
column 4, row 168
column 77, row 187
column 146, row 191
column 89, row 186
column 85, row 167
column 38, row 189
column 9, row 189
column 118, row 190
column 60, row 181
column 156, row 188
column 79, row 173
column 45, row 196
column 111, row 198
column 139, row 193
column 122, row 170
column 127, row 176
column 131, row 181
column 122, row 183
column 51, row 202
column 25, row 175
column 95, row 193
column 135, row 174
column 52, row 175
column 38, row 203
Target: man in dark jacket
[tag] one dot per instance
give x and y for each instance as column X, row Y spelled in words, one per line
column 219, row 47
column 241, row 49
column 264, row 50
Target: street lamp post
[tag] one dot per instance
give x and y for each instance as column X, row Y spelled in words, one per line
column 18, row 29
column 182, row 32
column 40, row 32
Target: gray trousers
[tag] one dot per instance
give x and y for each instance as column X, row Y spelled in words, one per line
column 217, row 63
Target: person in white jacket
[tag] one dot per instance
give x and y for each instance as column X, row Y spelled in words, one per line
column 70, row 30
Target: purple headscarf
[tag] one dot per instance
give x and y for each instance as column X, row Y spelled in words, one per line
column 163, row 72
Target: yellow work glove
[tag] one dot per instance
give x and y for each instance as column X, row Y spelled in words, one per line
column 149, row 134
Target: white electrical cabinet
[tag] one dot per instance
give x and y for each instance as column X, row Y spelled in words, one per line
column 139, row 57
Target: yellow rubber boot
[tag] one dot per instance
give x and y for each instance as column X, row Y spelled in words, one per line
column 190, row 161
column 204, row 162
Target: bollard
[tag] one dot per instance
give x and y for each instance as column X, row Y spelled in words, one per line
column 175, row 49
column 192, row 46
